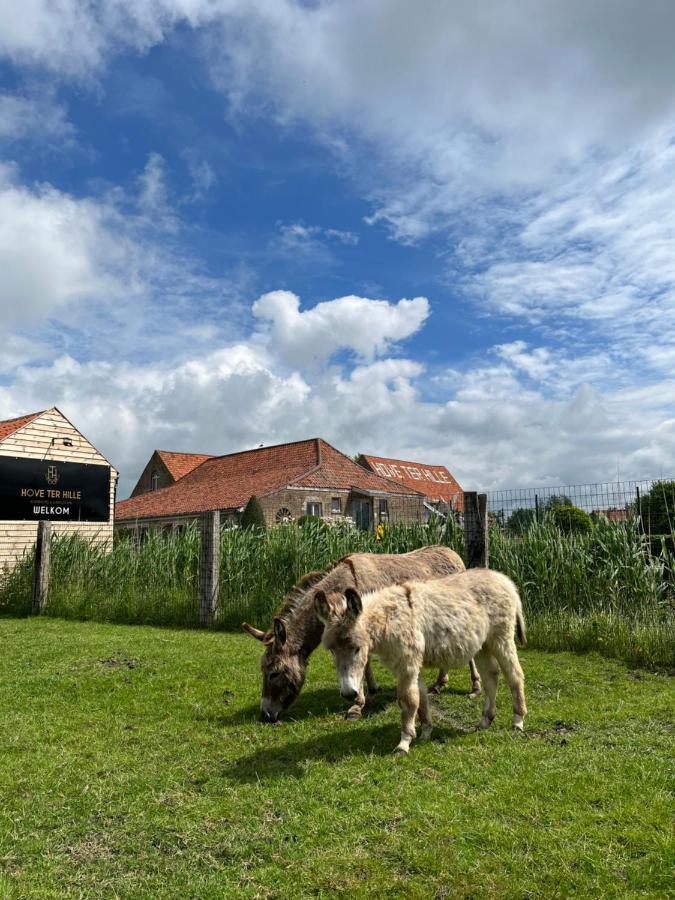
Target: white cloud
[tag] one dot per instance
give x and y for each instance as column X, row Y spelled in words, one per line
column 39, row 116
column 493, row 428
column 367, row 327
column 54, row 249
column 109, row 275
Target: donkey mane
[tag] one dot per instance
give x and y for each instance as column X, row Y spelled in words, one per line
column 298, row 593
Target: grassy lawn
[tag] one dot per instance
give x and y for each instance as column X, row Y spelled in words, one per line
column 132, row 765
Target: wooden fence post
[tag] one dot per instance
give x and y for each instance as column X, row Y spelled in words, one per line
column 41, row 568
column 475, row 530
column 209, row 567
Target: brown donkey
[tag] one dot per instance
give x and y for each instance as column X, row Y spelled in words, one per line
column 442, row 622
column 297, row 631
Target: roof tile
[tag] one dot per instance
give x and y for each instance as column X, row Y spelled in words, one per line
column 179, row 464
column 433, row 481
column 9, row 426
column 227, row 482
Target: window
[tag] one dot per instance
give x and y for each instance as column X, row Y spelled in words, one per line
column 335, row 506
column 154, row 481
column 384, row 510
column 283, row 516
column 314, row 509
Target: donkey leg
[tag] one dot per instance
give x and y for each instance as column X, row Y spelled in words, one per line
column 440, row 683
column 489, row 671
column 507, row 657
column 409, row 700
column 355, row 711
column 425, row 711
column 370, row 679
column 476, row 688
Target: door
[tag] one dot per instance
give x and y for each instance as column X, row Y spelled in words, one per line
column 361, row 514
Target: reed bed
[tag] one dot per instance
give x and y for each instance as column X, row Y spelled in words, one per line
column 605, row 591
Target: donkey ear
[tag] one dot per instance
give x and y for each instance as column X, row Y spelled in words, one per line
column 321, row 606
column 279, row 631
column 354, row 604
column 254, row 632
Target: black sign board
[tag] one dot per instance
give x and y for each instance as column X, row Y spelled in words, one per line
column 34, row 489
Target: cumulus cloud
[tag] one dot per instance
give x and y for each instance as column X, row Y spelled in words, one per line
column 492, row 429
column 54, row 249
column 366, row 327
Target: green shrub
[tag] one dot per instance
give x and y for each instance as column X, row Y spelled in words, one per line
column 571, row 520
column 253, row 516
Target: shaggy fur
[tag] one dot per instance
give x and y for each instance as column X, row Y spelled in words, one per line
column 443, row 622
column 297, row 631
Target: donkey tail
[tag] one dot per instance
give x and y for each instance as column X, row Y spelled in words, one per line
column 521, row 632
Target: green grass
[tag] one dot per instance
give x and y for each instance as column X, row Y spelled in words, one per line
column 132, row 766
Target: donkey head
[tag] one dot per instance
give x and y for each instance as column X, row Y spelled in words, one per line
column 283, row 670
column 347, row 643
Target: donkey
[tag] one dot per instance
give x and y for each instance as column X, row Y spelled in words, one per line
column 444, row 622
column 296, row 631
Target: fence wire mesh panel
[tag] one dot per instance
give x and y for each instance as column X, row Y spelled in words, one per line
column 650, row 502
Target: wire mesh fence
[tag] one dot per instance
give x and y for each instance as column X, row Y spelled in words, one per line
column 650, row 502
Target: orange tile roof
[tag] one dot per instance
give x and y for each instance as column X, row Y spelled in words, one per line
column 9, row 426
column 179, row 464
column 435, row 482
column 227, row 482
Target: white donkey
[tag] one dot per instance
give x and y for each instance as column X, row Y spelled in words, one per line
column 443, row 622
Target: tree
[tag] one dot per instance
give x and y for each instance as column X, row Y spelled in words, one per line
column 520, row 520
column 253, row 516
column 556, row 500
column 657, row 512
column 571, row 520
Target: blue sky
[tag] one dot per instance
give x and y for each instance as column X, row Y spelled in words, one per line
column 441, row 233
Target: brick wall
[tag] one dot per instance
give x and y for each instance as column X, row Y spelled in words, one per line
column 33, row 441
column 404, row 510
column 144, row 483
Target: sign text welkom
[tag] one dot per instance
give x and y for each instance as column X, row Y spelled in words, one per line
column 33, row 489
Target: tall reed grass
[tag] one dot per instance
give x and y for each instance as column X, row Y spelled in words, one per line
column 605, row 590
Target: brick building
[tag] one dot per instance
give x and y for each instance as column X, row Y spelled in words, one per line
column 49, row 470
column 165, row 468
column 290, row 480
column 441, row 490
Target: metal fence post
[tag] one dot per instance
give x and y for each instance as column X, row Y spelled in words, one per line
column 41, row 567
column 209, row 567
column 475, row 530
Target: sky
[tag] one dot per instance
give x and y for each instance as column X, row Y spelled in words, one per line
column 442, row 232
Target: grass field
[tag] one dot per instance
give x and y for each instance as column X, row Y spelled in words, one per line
column 133, row 766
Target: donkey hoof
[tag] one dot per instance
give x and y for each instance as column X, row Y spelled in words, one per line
column 434, row 689
column 425, row 734
column 353, row 713
column 475, row 693
column 401, row 751
column 518, row 724
column 484, row 723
